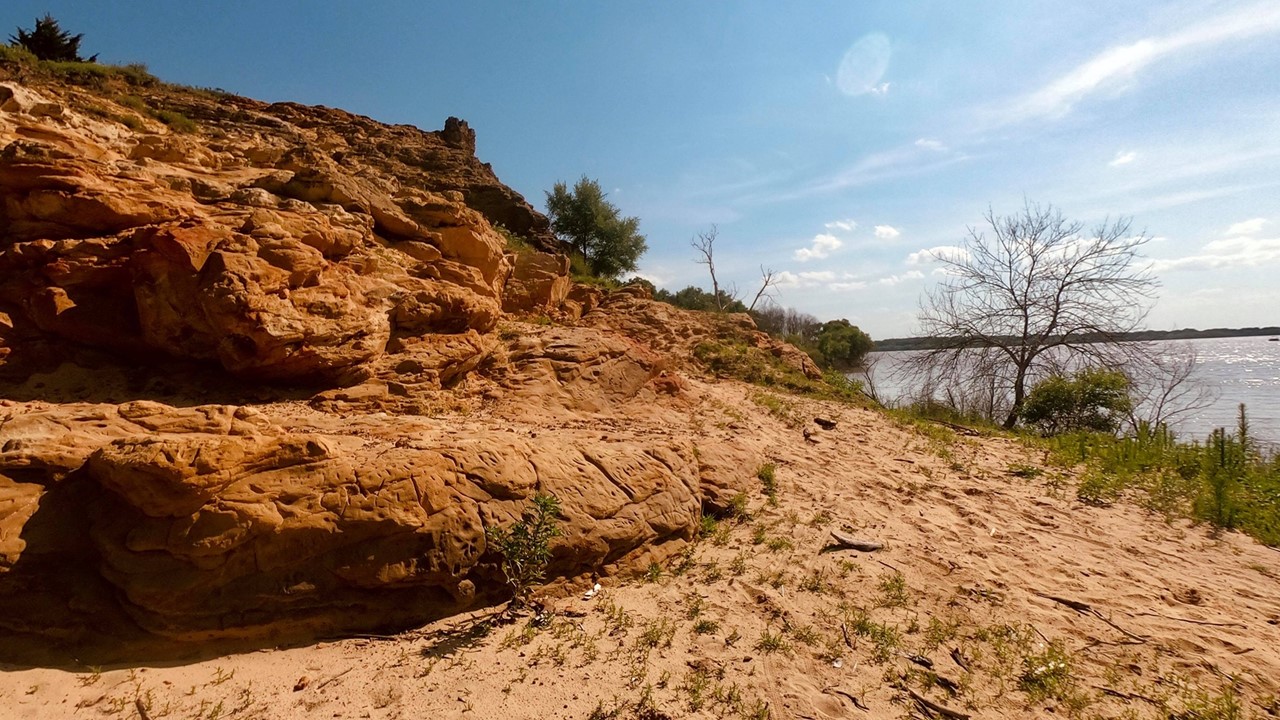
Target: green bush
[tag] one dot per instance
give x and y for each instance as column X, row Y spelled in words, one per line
column 1091, row 400
column 526, row 545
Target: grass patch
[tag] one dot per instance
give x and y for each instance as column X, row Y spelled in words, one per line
column 1228, row 480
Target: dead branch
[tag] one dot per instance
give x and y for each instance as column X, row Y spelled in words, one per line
column 942, row 710
column 837, row 691
column 1194, row 622
column 768, row 279
column 1087, row 609
column 846, row 540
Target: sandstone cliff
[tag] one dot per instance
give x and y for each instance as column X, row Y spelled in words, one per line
column 267, row 376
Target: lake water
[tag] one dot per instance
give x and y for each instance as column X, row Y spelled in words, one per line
column 1238, row 370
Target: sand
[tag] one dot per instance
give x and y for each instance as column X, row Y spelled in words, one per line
column 992, row 573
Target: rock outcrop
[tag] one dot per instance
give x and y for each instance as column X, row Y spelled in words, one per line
column 270, row 377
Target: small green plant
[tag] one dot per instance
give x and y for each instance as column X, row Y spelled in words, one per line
column 738, row 506
column 653, row 573
column 778, row 544
column 706, row 626
column 656, row 634
column 767, row 473
column 526, row 546
column 707, row 526
column 772, row 642
column 1046, row 674
column 893, row 591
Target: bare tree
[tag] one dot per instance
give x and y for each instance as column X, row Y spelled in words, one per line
column 1163, row 386
column 768, row 279
column 705, row 244
column 1037, row 289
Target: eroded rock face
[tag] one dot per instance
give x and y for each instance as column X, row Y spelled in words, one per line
column 344, row 278
column 261, row 251
column 214, row 521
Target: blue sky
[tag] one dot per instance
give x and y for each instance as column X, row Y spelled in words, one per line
column 829, row 141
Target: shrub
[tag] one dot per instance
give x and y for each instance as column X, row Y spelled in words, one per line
column 1093, row 400
column 526, row 545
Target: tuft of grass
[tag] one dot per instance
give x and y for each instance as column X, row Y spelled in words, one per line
column 778, row 544
column 771, row 642
column 893, row 591
column 767, row 473
column 1047, row 675
column 706, row 626
column 656, row 634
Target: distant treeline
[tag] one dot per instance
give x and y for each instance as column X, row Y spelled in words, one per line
column 929, row 343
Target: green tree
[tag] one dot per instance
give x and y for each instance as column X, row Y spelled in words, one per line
column 1092, row 399
column 48, row 41
column 593, row 227
column 843, row 346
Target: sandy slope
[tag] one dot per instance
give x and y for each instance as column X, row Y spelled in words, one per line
column 787, row 629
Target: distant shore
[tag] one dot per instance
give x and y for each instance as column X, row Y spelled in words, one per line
column 930, row 343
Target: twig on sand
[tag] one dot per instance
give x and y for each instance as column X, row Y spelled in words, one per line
column 142, row 709
column 891, row 567
column 958, row 428
column 959, row 659
column 856, row 701
column 844, row 630
column 1126, row 695
column 1085, row 608
column 942, row 710
column 845, row 540
column 335, row 677
column 1195, row 622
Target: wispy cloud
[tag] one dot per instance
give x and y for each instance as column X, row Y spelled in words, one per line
column 1115, row 67
column 904, row 277
column 820, row 247
column 933, row 254
column 1242, row 247
column 887, row 232
column 1124, row 157
column 848, row 225
column 882, row 89
column 930, row 144
column 1247, row 227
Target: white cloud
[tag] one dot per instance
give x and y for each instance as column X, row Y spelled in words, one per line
column 931, row 255
column 845, row 286
column 786, row 278
column 882, row 89
column 1115, row 66
column 1239, row 248
column 818, row 276
column 887, row 232
column 896, row 279
column 931, row 144
column 1123, row 158
column 844, row 225
column 821, row 247
column 1247, row 227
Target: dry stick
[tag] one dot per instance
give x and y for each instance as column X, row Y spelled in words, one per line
column 845, row 631
column 1196, row 622
column 888, row 566
column 1125, row 695
column 856, row 702
column 1086, row 609
column 940, row 709
column 142, row 709
column 335, row 677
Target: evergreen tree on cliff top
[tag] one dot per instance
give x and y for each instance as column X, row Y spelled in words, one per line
column 592, row 226
column 48, row 41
